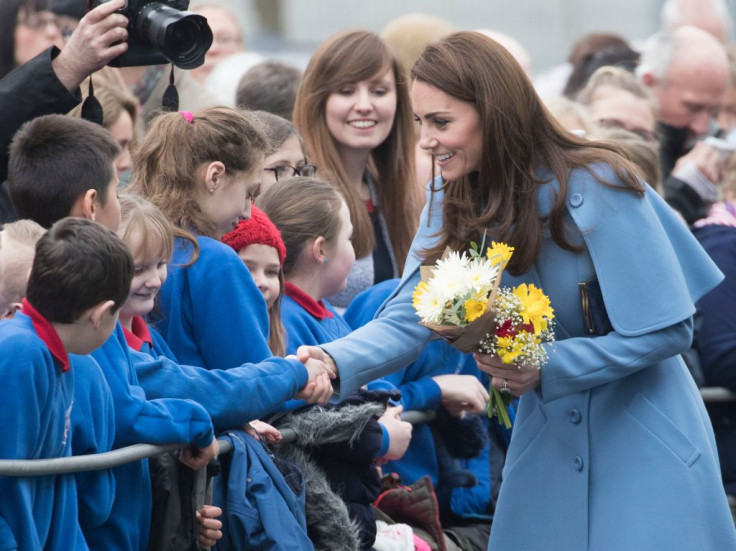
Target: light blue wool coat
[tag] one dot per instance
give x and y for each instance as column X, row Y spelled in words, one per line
column 614, row 450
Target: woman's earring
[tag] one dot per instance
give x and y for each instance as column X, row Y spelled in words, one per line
column 325, row 261
column 212, row 190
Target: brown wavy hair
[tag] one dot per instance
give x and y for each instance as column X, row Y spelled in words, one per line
column 349, row 57
column 169, row 165
column 521, row 137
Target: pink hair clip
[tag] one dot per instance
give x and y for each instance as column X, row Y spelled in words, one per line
column 188, row 116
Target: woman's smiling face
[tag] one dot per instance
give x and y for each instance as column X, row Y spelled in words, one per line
column 360, row 115
column 451, row 130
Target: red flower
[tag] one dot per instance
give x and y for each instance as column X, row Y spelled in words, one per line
column 527, row 327
column 506, row 329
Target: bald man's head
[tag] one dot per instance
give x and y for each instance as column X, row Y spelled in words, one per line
column 687, row 71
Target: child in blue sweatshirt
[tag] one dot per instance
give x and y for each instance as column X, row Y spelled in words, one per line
column 75, row 161
column 314, row 222
column 77, row 284
column 202, row 170
column 150, row 238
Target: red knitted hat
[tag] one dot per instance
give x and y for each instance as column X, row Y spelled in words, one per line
column 258, row 230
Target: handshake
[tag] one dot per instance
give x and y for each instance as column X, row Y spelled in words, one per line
column 320, row 370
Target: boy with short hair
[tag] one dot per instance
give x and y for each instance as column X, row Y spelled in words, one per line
column 80, row 277
column 62, row 166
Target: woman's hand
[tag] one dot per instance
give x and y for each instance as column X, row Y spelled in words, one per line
column 513, row 379
column 462, row 393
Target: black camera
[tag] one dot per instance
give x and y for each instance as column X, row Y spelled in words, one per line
column 163, row 32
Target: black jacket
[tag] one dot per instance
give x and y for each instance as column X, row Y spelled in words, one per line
column 27, row 92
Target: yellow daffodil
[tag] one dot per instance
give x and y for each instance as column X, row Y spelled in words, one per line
column 509, row 349
column 536, row 306
column 499, row 253
column 474, row 309
column 419, row 290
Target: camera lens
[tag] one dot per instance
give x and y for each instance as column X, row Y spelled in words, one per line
column 183, row 37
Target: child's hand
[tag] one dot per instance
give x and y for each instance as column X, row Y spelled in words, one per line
column 462, row 393
column 209, row 526
column 399, row 432
column 319, row 387
column 196, row 458
column 258, row 428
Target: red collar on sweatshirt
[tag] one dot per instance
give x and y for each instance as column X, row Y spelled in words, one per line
column 48, row 335
column 369, row 206
column 316, row 309
column 139, row 334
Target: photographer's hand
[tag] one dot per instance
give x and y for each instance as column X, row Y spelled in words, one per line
column 98, row 39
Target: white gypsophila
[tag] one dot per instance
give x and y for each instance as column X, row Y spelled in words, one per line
column 481, row 274
column 429, row 306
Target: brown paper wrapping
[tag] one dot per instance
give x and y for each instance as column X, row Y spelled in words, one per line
column 465, row 339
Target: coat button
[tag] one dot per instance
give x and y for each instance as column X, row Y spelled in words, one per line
column 578, row 463
column 576, row 200
column 575, row 416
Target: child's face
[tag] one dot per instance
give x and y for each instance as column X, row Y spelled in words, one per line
column 108, row 214
column 149, row 275
column 289, row 156
column 340, row 257
column 264, row 266
column 230, row 202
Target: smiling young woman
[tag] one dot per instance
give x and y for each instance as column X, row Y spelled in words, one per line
column 354, row 112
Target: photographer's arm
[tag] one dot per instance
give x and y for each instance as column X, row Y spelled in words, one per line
column 98, row 39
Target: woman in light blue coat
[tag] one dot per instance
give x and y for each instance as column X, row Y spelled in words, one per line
column 612, row 448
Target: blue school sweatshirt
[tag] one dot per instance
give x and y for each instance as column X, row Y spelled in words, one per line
column 211, row 313
column 232, row 397
column 93, row 431
column 309, row 322
column 37, row 512
column 139, row 420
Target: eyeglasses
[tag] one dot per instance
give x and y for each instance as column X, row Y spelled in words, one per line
column 288, row 171
column 39, row 21
column 647, row 135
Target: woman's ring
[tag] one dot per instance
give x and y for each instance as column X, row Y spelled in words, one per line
column 505, row 388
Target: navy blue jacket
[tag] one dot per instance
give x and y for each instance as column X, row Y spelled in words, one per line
column 260, row 510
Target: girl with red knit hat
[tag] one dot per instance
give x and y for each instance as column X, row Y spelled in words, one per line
column 258, row 243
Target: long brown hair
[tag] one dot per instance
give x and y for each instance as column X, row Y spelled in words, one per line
column 351, row 57
column 169, row 164
column 520, row 138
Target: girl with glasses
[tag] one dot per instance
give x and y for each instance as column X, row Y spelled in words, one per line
column 285, row 156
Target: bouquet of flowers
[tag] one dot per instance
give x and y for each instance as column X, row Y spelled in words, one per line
column 460, row 300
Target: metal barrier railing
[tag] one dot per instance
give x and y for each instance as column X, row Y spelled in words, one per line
column 108, row 460
column 136, row 452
